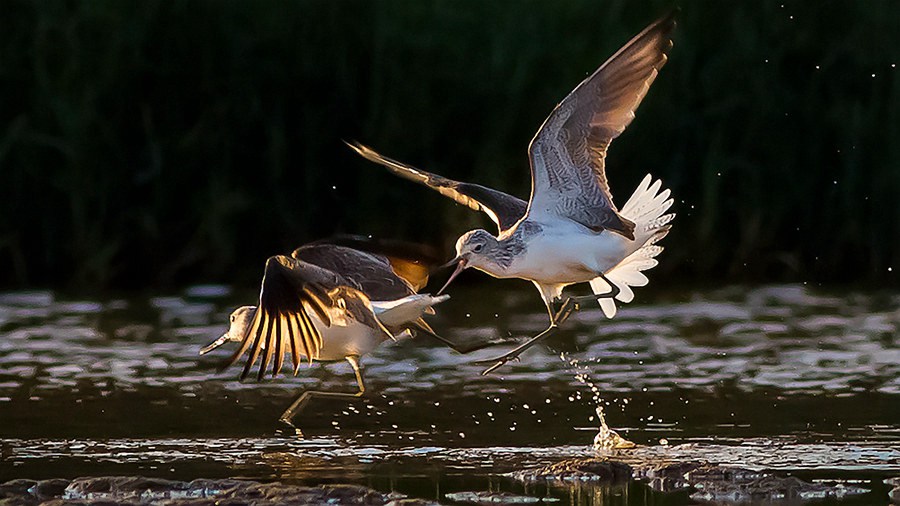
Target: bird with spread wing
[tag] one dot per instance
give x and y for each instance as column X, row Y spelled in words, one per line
column 570, row 231
column 330, row 301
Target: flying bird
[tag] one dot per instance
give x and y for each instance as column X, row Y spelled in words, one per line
column 570, row 231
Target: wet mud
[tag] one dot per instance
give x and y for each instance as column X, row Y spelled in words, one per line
column 138, row 490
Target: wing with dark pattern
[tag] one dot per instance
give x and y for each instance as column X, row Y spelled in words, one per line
column 411, row 261
column 504, row 209
column 569, row 151
column 370, row 273
column 282, row 324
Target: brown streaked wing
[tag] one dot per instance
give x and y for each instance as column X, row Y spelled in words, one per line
column 247, row 339
column 256, row 330
column 308, row 337
column 504, row 209
column 569, row 151
column 363, row 259
column 279, row 347
column 415, row 273
column 371, row 273
column 293, row 336
column 303, row 325
column 289, row 288
column 271, row 346
column 358, row 307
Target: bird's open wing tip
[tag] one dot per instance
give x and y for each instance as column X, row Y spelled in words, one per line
column 355, row 145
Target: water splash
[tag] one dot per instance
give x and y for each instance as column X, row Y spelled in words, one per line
column 606, row 439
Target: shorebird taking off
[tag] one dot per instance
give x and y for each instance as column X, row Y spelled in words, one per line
column 570, row 231
column 330, row 302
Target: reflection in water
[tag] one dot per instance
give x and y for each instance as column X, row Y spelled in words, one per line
column 773, row 378
column 287, row 457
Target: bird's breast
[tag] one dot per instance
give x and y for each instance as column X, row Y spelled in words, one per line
column 567, row 255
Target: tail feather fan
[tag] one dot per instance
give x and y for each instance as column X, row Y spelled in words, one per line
column 645, row 208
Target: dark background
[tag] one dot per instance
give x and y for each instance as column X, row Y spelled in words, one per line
column 157, row 143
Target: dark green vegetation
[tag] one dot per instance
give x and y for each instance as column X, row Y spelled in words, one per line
column 149, row 143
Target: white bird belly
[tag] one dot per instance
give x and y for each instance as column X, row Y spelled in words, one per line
column 345, row 337
column 573, row 254
column 348, row 337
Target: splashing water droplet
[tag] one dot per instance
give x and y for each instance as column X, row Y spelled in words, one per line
column 607, row 439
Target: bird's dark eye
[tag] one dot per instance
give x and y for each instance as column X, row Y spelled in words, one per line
column 478, row 247
column 232, row 317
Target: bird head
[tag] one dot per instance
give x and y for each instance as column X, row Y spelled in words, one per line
column 473, row 249
column 239, row 323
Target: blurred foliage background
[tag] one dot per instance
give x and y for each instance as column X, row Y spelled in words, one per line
column 157, row 143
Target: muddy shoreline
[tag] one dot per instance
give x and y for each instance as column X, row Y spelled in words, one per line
column 700, row 482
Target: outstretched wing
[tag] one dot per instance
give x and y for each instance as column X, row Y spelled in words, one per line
column 569, row 151
column 410, row 262
column 504, row 209
column 367, row 272
column 281, row 323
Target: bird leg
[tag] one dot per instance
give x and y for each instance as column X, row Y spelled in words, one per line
column 515, row 352
column 461, row 349
column 294, row 409
column 563, row 310
column 572, row 304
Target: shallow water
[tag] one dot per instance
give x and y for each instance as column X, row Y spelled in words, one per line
column 781, row 378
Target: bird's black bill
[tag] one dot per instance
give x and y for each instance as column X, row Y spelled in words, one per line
column 460, row 266
column 213, row 345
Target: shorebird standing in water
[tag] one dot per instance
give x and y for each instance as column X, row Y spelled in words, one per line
column 330, row 302
column 570, row 231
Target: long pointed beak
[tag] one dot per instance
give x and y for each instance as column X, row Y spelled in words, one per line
column 215, row 344
column 460, row 266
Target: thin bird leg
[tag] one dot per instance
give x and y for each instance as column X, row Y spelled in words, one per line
column 294, row 409
column 566, row 308
column 515, row 352
column 462, row 350
column 557, row 318
column 572, row 304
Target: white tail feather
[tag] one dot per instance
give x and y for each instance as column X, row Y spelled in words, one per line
column 645, row 208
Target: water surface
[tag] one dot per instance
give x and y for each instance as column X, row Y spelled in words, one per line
column 782, row 378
